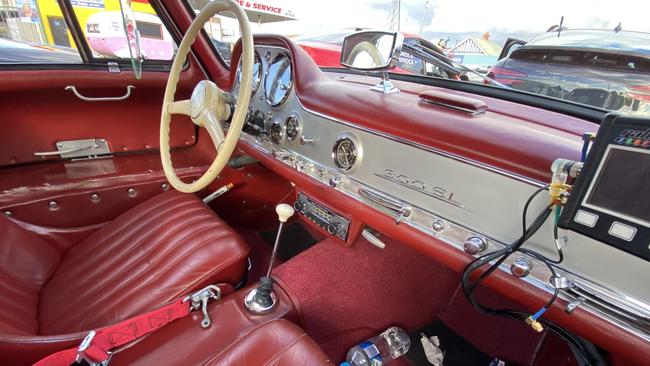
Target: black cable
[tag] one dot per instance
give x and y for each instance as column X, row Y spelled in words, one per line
column 501, row 255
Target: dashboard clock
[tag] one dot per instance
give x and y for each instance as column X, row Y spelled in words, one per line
column 345, row 153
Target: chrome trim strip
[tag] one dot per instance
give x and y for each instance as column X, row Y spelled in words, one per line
column 417, row 145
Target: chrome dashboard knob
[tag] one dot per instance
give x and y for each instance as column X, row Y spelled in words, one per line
column 334, row 181
column 306, row 140
column 475, row 245
column 521, row 267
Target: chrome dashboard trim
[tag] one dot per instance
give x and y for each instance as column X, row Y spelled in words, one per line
column 417, row 145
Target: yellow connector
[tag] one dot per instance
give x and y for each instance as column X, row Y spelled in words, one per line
column 537, row 326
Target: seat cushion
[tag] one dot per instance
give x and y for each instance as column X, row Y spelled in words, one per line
column 278, row 342
column 26, row 263
column 152, row 254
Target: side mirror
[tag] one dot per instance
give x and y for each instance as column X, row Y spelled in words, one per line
column 372, row 50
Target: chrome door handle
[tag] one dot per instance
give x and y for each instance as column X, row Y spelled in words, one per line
column 66, row 151
column 398, row 207
column 101, row 99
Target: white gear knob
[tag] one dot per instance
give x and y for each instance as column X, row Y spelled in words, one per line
column 284, row 212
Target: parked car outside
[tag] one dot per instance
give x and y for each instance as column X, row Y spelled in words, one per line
column 325, row 49
column 603, row 68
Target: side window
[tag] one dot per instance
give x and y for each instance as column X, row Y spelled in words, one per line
column 102, row 25
column 34, row 32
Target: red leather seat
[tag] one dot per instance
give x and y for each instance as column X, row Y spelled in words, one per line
column 153, row 253
column 278, row 342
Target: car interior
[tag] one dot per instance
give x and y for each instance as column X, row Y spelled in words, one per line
column 267, row 211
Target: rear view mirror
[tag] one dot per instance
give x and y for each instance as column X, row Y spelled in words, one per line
column 371, row 50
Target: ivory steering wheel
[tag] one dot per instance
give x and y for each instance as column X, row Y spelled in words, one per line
column 209, row 105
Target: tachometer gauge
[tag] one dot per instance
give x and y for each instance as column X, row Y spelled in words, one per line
column 292, row 127
column 276, row 133
column 278, row 81
column 257, row 73
column 344, row 153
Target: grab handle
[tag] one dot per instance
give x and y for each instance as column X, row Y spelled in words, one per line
column 101, row 99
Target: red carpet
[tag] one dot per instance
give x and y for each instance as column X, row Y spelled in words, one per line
column 348, row 294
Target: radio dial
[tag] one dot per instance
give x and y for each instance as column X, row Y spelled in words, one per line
column 333, row 228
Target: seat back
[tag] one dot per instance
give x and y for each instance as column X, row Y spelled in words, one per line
column 26, row 264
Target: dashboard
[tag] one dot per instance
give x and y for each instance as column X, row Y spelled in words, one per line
column 457, row 202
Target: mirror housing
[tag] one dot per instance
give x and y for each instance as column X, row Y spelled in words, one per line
column 371, row 50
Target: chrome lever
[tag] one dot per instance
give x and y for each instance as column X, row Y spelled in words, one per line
column 392, row 204
column 101, row 99
column 67, row 151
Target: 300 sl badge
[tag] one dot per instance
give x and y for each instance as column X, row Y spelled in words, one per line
column 437, row 192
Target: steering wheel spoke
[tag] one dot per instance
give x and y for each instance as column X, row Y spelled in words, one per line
column 210, row 122
column 180, row 107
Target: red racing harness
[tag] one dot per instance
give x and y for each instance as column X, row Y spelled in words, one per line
column 97, row 347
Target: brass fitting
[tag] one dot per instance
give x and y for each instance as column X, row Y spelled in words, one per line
column 537, row 326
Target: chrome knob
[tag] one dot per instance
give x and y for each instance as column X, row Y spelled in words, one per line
column 334, row 181
column 306, row 140
column 438, row 225
column 521, row 267
column 475, row 245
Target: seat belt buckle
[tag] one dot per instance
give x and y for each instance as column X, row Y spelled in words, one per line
column 199, row 300
column 83, row 359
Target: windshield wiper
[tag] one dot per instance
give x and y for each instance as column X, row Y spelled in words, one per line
column 448, row 64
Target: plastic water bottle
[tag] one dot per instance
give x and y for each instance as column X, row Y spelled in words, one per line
column 379, row 350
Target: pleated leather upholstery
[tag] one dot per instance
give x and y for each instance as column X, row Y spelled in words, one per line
column 152, row 254
column 26, row 262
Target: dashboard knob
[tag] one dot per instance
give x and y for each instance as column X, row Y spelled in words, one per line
column 299, row 206
column 333, row 228
column 521, row 267
column 306, row 140
column 334, row 181
column 475, row 245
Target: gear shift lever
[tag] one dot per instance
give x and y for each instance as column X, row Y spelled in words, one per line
column 262, row 299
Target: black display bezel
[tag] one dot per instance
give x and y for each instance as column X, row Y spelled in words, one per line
column 611, row 127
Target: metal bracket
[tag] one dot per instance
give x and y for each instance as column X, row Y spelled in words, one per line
column 85, row 344
column 199, row 300
column 78, row 148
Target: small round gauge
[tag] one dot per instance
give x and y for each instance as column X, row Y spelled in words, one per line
column 278, row 80
column 257, row 73
column 344, row 153
column 292, row 126
column 276, row 133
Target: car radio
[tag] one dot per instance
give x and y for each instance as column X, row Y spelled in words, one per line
column 610, row 201
column 321, row 216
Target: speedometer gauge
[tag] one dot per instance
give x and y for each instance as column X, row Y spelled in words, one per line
column 278, row 81
column 257, row 73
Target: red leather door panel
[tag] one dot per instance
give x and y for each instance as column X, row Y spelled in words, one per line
column 37, row 111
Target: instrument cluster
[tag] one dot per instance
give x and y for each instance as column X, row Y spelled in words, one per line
column 268, row 116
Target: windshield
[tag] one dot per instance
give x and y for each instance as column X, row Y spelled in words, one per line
column 590, row 52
